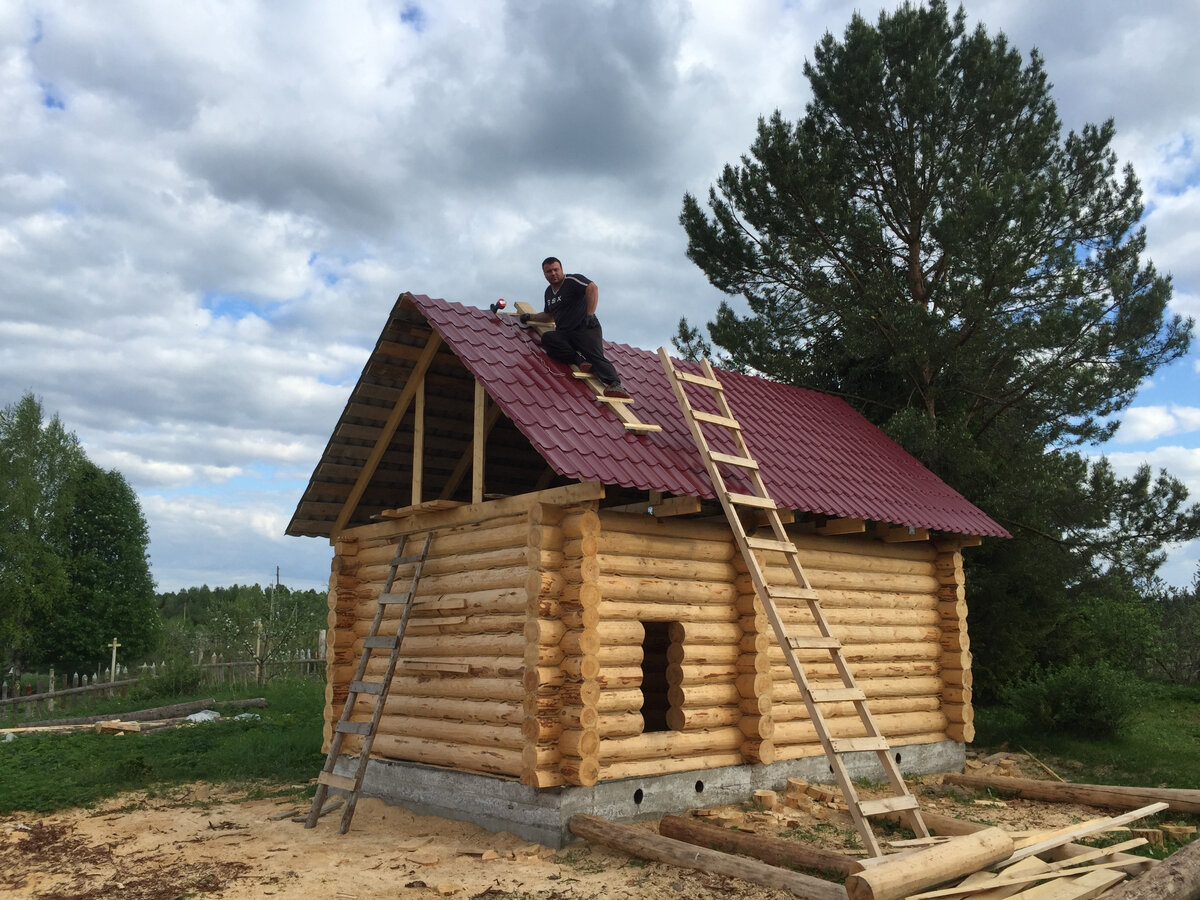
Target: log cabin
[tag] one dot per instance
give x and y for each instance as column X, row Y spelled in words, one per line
column 584, row 637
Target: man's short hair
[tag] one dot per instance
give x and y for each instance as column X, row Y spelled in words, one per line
column 551, row 259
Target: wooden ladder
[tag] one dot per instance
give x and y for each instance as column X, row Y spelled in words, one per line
column 373, row 642
column 759, row 502
column 620, row 406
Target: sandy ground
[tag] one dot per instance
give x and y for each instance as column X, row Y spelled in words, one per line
column 210, row 841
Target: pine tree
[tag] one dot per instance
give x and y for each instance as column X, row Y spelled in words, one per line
column 926, row 243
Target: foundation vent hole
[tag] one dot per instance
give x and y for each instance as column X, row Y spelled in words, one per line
column 699, row 787
column 638, row 796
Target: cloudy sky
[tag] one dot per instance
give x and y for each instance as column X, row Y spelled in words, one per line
column 207, row 209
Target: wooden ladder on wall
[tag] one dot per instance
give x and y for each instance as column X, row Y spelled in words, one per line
column 902, row 801
column 374, row 642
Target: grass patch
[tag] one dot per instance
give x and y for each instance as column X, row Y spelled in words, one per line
column 50, row 771
column 1159, row 746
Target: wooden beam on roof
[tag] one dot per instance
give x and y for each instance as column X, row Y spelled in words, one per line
column 388, row 431
column 479, row 442
column 418, row 461
column 841, row 526
column 464, row 461
column 900, row 533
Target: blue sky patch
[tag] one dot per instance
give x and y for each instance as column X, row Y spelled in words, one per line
column 235, row 306
column 413, row 16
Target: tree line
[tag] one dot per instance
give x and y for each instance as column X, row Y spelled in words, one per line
column 75, row 568
column 926, row 243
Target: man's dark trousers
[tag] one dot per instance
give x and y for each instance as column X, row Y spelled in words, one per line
column 581, row 345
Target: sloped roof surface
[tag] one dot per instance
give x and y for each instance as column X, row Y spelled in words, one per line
column 814, row 451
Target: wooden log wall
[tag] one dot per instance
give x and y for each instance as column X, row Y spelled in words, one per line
column 956, row 647
column 565, row 645
column 457, row 698
column 580, row 665
column 881, row 601
column 675, row 575
column 731, row 697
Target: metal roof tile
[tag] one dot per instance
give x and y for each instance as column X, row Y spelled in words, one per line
column 814, row 451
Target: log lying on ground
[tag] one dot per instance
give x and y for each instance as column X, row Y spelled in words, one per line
column 771, row 850
column 647, row 845
column 144, row 715
column 899, row 876
column 1175, row 878
column 1113, row 796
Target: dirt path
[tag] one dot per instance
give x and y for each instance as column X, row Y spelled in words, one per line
column 207, row 841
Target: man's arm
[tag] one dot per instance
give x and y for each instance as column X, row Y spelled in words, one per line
column 537, row 317
column 592, row 296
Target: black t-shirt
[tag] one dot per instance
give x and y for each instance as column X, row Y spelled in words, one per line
column 569, row 305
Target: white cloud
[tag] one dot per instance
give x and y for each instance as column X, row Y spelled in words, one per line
column 1149, row 423
column 206, row 212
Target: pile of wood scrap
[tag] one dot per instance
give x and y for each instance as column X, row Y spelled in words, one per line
column 966, row 861
column 141, row 720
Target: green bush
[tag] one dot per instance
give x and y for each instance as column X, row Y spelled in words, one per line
column 1082, row 699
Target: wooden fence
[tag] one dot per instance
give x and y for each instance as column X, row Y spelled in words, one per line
column 37, row 696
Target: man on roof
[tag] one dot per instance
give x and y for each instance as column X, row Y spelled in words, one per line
column 577, row 339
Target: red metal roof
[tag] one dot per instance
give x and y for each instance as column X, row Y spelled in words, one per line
column 815, row 452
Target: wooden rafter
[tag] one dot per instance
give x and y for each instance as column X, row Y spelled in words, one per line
column 387, row 432
column 491, row 417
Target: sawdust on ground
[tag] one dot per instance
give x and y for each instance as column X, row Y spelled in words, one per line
column 212, row 841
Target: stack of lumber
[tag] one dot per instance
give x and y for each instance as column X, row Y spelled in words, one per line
column 977, row 863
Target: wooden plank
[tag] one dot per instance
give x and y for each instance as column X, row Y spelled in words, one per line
column 859, row 744
column 478, row 444
column 1031, row 878
column 342, row 782
column 841, row 526
column 750, row 500
column 675, row 506
column 387, row 432
column 759, row 543
column 713, row 419
column 814, row 643
column 887, row 805
column 1085, row 830
column 836, row 695
column 418, row 461
column 698, row 379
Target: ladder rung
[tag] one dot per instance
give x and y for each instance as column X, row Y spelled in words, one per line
column 380, row 642
column 353, row 727
column 837, row 695
column 366, row 687
column 343, row 782
column 699, row 379
column 854, row 745
column 750, row 500
column 394, row 598
column 405, row 560
column 887, row 805
column 814, row 643
column 714, row 419
column 731, row 460
column 791, row 592
column 758, row 543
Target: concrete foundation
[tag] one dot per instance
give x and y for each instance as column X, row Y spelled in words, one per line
column 499, row 804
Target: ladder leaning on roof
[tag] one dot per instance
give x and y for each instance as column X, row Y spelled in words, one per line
column 359, row 685
column 860, row 810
